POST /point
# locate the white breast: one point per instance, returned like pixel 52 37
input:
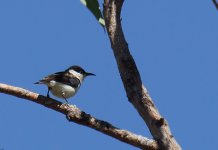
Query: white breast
pixel 58 89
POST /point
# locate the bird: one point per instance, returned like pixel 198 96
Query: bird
pixel 65 84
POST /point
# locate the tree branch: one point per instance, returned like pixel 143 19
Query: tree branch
pixel 215 3
pixel 136 92
pixel 80 117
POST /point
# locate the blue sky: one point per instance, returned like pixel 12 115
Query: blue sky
pixel 174 44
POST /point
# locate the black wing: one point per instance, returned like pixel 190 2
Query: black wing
pixel 61 77
pixel 50 77
pixel 69 79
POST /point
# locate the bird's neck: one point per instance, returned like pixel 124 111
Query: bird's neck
pixel 77 75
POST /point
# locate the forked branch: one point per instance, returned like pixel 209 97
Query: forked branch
pixel 135 90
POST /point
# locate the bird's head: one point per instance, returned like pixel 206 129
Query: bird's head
pixel 79 72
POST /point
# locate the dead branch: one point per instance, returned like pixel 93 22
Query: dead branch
pixel 74 114
pixel 135 90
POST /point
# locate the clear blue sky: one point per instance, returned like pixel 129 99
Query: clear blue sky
pixel 174 43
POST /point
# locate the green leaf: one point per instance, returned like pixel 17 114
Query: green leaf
pixel 94 7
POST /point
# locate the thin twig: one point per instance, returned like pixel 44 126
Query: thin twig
pixel 215 3
pixel 80 117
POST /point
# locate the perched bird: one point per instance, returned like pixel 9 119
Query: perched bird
pixel 65 84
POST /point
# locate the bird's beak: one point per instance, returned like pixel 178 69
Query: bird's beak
pixel 90 74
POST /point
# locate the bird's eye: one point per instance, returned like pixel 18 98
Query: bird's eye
pixel 79 71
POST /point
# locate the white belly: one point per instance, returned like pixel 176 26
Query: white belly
pixel 59 89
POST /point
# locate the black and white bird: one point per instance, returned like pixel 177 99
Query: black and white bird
pixel 65 84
